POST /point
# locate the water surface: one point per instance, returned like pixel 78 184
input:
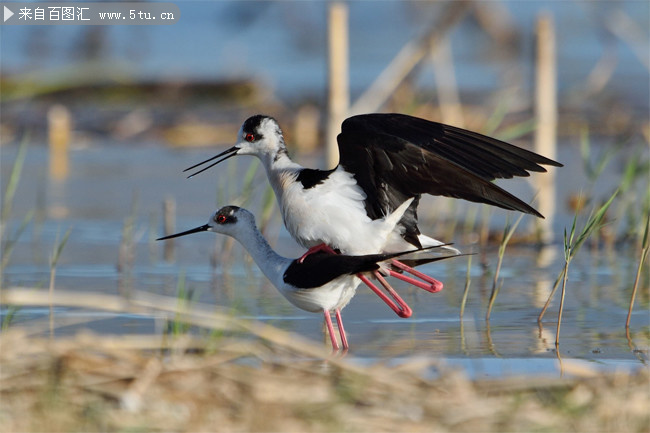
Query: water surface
pixel 109 186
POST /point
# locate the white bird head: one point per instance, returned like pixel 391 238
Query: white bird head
pixel 259 136
pixel 229 220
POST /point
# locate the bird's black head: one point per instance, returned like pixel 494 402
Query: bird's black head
pixel 261 136
pixel 225 216
pixel 228 220
pixel 254 128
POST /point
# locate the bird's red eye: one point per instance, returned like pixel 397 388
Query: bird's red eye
pixel 249 137
pixel 221 219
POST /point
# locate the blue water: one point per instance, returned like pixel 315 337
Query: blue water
pixel 95 204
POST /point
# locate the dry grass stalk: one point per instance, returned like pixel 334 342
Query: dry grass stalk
pixel 645 247
pixel 82 383
pixel 58 248
pixel 508 231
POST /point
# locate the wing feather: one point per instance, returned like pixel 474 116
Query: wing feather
pixel 394 157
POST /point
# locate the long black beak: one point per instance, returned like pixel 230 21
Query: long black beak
pixel 202 228
pixel 229 153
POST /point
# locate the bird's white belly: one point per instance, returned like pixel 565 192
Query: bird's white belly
pixel 333 213
pixel 335 294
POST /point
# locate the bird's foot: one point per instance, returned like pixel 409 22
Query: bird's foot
pixel 330 331
pixel 398 305
pixel 428 283
pixel 344 337
pixel 322 247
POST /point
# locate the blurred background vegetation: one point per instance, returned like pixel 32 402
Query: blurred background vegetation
pixel 193 82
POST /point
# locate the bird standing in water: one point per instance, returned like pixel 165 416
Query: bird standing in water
pixel 321 282
pixel 385 160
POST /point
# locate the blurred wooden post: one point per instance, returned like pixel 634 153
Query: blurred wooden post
pixel 339 96
pixel 305 126
pixel 59 124
pixel 546 132
pixel 451 110
pixel 169 222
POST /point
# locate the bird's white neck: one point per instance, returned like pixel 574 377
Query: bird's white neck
pixel 278 160
pixel 271 263
pixel 281 171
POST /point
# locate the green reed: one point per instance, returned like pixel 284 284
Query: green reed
pixel 184 297
pixel 54 260
pixel 636 169
pixel 7 204
pixel 572 245
pixel 645 247
pixel 12 184
pixel 508 231
pixel 468 281
pixel 9 315
pixel 9 244
pixel 593 169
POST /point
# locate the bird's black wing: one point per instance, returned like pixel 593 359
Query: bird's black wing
pixel 423 261
pixel 320 268
pixel 394 157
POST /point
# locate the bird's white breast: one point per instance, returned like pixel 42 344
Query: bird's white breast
pixel 335 294
pixel 332 212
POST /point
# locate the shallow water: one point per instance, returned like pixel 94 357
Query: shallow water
pixel 107 181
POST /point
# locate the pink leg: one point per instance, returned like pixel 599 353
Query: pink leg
pixel 401 308
pixel 317 248
pixel 330 329
pixel 339 322
pixel 433 286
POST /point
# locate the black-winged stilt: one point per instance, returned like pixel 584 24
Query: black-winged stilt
pixel 322 282
pixel 385 159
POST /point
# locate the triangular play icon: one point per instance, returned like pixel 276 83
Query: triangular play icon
pixel 8 14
